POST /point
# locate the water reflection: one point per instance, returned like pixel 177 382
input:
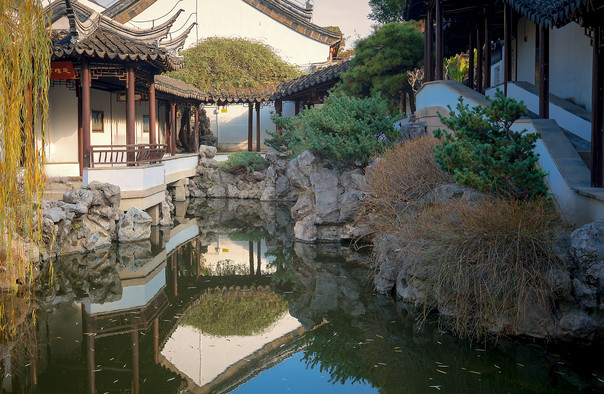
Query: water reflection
pixel 227 300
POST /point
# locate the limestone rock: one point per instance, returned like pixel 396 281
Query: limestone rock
pixel 206 151
pixel 81 196
pixel 134 225
pixel 325 186
pixel 576 325
pixel 111 194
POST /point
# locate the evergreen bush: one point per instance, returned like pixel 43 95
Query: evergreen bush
pixel 346 130
pixel 484 153
pixel 241 162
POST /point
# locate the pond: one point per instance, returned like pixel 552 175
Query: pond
pixel 226 301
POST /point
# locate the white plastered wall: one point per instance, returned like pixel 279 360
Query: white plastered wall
pixel 569 60
pixel 235 18
pixel 62 134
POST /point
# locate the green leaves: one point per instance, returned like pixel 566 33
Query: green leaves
pixel 242 162
pixel 484 153
pixel 228 63
pixel 382 60
pixel 346 130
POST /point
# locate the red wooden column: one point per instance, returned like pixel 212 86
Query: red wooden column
pixel 257 127
pixel 597 110
pixel 507 46
pixel 90 359
pixel 152 114
pixel 251 256
pixel 86 113
pixel 279 111
pixel 440 46
pixel 156 340
pixel 250 128
pixel 173 129
pixel 168 133
pixel 429 46
pixel 130 111
pixel 196 129
pixel 543 72
pixel 487 50
pixel 80 127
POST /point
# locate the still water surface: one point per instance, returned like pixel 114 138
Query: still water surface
pixel 226 301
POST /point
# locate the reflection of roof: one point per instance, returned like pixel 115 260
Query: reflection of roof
pixel 330 75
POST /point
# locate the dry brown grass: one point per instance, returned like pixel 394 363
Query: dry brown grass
pixel 485 263
pixel 402 175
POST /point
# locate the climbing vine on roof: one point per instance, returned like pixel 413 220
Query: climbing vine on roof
pixel 229 63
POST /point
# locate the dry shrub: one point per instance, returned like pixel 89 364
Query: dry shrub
pixel 403 174
pixel 485 264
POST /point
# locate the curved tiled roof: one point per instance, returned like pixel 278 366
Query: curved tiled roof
pixel 111 46
pixel 548 13
pixel 179 88
pixel 299 84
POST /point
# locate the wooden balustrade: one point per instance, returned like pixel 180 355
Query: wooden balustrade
pixel 129 155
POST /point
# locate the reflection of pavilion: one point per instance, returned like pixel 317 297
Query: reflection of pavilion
pixel 219 364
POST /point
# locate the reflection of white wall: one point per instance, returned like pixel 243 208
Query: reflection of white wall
pixel 132 296
pixel 203 357
pixel 238 252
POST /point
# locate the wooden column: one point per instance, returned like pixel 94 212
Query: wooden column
pixel 152 115
pixel 250 128
pixel 258 258
pixel 175 272
pixel 507 46
pixel 130 111
pixel 440 46
pixel 479 63
pixel 429 67
pixel 487 50
pixel 86 113
pixel 257 127
pixel 196 128
pixel 296 107
pixel 172 129
pixel 198 256
pixel 90 359
pixel 279 111
pixel 597 110
pixel 543 72
pixel 80 127
pixel 471 58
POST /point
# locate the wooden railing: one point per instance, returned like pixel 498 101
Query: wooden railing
pixel 129 155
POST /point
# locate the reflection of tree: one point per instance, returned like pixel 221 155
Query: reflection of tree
pixel 228 313
pixel 247 234
pixel 284 275
pixel 226 267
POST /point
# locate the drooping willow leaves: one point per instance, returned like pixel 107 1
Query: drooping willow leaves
pixel 24 79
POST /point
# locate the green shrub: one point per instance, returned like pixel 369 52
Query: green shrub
pixel 346 130
pixel 485 154
pixel 241 162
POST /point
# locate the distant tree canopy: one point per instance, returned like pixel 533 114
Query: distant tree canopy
pixel 386 11
pixel 228 63
pixel 382 60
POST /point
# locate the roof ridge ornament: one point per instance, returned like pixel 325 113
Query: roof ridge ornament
pixel 73 29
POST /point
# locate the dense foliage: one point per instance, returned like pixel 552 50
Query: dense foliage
pixel 241 162
pixel 228 63
pixel 483 152
pixel 386 11
pixel 382 60
pixel 346 130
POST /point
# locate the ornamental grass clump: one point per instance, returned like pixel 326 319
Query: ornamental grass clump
pixel 399 178
pixel 348 131
pixel 243 162
pixel 483 152
pixel 487 264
